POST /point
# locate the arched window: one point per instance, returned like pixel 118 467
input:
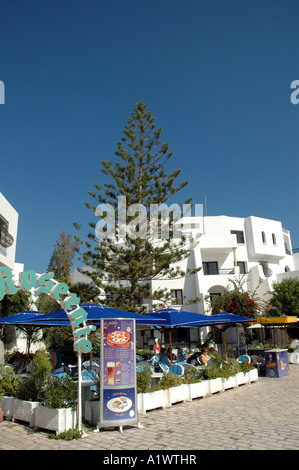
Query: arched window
pixel 264 237
pixel 286 269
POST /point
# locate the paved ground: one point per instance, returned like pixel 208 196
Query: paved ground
pixel 258 416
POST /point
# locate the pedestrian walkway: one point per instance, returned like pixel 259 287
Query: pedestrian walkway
pixel 260 416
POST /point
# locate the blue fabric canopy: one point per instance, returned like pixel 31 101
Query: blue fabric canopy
pixel 175 318
pixel 224 317
pixel 95 313
pixel 20 317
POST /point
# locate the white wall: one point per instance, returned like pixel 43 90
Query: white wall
pixel 7 255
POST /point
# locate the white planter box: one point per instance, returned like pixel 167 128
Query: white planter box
pixel 177 394
pixel 151 401
pixel 197 390
pixel 92 411
pixel 214 385
pixel 229 382
pixel 253 375
pixel 7 405
pixel 55 419
pixel 293 358
pixel 242 378
pixel 25 410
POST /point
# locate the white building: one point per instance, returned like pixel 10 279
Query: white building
pixel 8 240
pixel 8 233
pixel 255 249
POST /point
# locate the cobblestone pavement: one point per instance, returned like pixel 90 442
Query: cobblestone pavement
pixel 260 416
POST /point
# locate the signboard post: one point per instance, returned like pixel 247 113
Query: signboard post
pixel 118 394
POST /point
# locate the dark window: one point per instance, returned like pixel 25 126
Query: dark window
pixel 264 237
pixel 177 296
pixel 239 234
pixel 274 238
pixel 242 267
pixel 210 268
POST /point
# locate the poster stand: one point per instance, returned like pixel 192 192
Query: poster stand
pixel 118 390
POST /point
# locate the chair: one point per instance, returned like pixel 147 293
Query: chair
pixel 59 375
pixel 244 358
pixel 88 375
pixel 163 367
pixel 94 366
pixel 177 369
pixel 143 367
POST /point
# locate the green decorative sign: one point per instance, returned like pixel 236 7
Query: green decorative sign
pixel 59 291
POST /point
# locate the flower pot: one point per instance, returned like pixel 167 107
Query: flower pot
pixel 55 419
pixel 177 394
pixel 25 410
pixel 242 378
pixel 229 382
pixel 197 390
pixel 253 375
pixel 92 411
pixel 151 401
pixel 6 405
pixel 214 386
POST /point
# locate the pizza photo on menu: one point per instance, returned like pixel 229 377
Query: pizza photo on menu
pixel 119 338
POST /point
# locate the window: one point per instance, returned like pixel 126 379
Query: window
pixel 239 234
pixel 242 266
pixel 264 237
pixel 6 240
pixel 274 238
pixel 177 296
pixel 266 270
pixel 210 268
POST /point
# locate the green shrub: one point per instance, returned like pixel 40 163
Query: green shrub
pixel 33 387
pixel 169 380
pixel 61 393
pixel 144 380
pixel 67 435
pixel 191 376
pixel 9 382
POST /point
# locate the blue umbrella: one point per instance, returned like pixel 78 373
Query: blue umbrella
pixel 173 318
pixel 20 317
pixel 95 313
pixel 226 318
pixel 180 318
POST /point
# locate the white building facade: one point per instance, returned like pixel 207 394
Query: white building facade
pixel 257 250
pixel 8 233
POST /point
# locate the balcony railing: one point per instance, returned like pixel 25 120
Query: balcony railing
pixel 219 272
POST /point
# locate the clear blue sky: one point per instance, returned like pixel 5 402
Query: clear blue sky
pixel 216 76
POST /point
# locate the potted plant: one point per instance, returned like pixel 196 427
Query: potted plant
pixel 31 389
pixel 175 388
pixel 58 411
pixel 9 382
pixel 212 375
pixel 197 387
pixel 148 398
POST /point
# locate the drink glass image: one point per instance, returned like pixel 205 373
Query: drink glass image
pixel 110 371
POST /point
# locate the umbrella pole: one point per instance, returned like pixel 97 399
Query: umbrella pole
pixel 90 354
pixel 79 407
pixel 170 345
pixel 28 349
pixel 224 342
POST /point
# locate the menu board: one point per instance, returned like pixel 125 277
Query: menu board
pixel 118 371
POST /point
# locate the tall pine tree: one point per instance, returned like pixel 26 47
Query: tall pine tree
pixel 124 263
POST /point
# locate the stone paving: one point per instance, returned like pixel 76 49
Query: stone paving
pixel 260 416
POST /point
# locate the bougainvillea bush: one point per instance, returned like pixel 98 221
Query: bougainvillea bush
pixel 237 301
